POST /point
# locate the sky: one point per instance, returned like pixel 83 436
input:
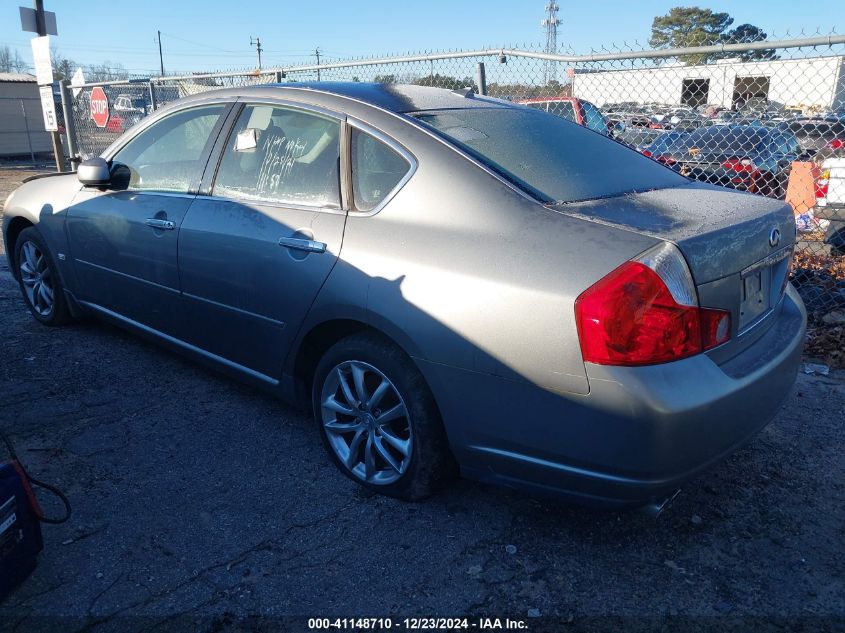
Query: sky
pixel 215 34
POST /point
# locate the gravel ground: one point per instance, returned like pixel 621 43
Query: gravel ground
pixel 198 502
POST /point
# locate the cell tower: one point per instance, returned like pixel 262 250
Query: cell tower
pixel 550 23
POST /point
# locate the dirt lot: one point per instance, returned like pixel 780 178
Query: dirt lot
pixel 198 502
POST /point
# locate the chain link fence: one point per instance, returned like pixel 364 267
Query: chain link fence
pixel 763 117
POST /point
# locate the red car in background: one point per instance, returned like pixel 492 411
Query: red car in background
pixel 573 109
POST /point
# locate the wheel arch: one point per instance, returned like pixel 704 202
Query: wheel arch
pixel 12 230
pixel 320 336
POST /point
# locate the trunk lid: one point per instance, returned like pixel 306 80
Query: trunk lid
pixel 738 245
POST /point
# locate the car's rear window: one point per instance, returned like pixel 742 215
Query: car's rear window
pixel 722 139
pixel 552 159
pixel 815 128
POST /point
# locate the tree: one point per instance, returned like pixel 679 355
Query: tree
pixel 746 33
pixel 63 67
pixel 385 79
pixel 107 71
pixel 689 26
pixel 11 61
pixel 445 81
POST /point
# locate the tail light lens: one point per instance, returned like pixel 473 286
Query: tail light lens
pixel 836 143
pixel 646 312
pixel 740 165
pixel 665 159
pixel 647 153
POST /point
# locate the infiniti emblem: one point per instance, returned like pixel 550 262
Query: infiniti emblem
pixel 774 238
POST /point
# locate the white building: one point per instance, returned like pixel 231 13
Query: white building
pixel 813 84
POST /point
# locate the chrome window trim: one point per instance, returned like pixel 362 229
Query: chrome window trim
pixel 245 102
pixel 395 146
pixel 276 204
pixel 141 192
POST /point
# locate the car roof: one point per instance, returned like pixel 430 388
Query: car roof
pixel 399 98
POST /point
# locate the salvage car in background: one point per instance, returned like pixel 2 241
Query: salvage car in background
pixel 578 111
pixel 816 134
pixel 441 278
pixel 747 157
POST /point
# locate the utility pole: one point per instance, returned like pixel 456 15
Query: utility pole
pixel 317 53
pixel 160 56
pixel 41 26
pixel 257 43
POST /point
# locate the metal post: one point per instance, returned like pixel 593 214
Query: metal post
pixel 153 103
pixel 481 79
pixel 278 76
pixel 26 125
pixel 70 123
pixel 41 26
pixel 160 56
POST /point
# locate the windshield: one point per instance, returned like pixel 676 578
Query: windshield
pixel 547 156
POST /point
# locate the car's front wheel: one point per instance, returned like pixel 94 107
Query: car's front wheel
pixel 39 281
pixel 378 418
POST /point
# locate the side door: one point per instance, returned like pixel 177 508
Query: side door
pixel 123 239
pixel 255 250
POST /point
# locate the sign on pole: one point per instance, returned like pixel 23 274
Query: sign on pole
pixel 29 21
pixel 77 80
pixel 99 107
pixel 48 107
pixel 41 56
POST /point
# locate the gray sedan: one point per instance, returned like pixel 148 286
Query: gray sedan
pixel 450 282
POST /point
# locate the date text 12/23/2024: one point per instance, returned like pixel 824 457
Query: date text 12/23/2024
pixel 418 624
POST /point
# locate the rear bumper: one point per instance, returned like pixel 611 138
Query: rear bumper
pixel 640 432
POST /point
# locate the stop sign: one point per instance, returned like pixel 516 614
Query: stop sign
pixel 99 107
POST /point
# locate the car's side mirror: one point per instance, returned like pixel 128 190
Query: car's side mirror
pixel 94 172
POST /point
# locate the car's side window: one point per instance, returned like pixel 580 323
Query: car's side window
pixel 376 170
pixel 563 109
pixel 166 156
pixel 538 105
pixel 277 154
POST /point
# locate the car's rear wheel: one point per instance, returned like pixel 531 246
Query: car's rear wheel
pixel 378 419
pixel 39 281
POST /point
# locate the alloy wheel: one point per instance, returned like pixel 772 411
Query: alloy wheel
pixel 366 422
pixel 37 279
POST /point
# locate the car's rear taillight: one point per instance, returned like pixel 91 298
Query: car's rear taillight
pixel 666 159
pixel 647 152
pixel 646 312
pixel 836 143
pixel 741 165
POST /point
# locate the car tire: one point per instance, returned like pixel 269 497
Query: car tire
pixel 378 418
pixel 39 279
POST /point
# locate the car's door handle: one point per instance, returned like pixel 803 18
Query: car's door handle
pixel 158 223
pixel 302 244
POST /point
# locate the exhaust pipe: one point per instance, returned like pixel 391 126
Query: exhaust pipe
pixel 655 508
